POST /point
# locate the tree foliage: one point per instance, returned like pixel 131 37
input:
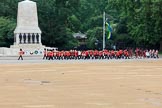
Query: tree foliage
pixel 6 27
pixel 135 22
pixel 142 20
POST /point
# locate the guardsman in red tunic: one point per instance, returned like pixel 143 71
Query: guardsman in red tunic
pixel 112 54
pixel 137 52
pixel 62 55
pixel 117 54
pixel 59 55
pixel 156 54
pixel 48 54
pixel 65 55
pixel 104 53
pixel 91 53
pixel 54 54
pixel 51 55
pixel 126 54
pixel 86 54
pixel 83 55
pixel 100 54
pixel 71 54
pixel 95 54
pixel 120 53
pixel 76 54
pixel 21 53
pixel 130 51
pixel 108 54
pixel 68 55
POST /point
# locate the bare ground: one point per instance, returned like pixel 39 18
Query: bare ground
pixel 126 84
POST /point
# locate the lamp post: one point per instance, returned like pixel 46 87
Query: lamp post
pixel 103 31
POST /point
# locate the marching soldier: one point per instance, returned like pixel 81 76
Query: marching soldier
pixel 21 53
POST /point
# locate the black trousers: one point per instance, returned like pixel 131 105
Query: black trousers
pixel 44 57
pixel 20 57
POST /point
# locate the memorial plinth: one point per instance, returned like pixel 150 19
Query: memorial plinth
pixel 27 33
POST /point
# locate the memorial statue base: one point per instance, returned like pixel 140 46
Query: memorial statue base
pixel 29 49
pixel 28 46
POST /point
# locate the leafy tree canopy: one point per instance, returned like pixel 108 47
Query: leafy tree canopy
pixel 136 23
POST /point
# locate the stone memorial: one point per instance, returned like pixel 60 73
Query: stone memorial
pixel 27 33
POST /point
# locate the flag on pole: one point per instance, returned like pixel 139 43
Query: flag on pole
pixel 108 30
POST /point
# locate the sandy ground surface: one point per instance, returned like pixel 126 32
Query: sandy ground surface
pixel 81 84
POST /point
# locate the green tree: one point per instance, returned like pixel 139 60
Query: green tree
pixel 142 20
pixel 137 22
pixel 56 18
pixel 6 31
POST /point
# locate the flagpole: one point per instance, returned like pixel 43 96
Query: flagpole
pixel 103 30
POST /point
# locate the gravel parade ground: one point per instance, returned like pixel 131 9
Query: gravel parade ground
pixel 37 83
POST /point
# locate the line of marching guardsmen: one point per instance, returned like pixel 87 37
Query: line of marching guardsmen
pixel 97 54
pixel 87 54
